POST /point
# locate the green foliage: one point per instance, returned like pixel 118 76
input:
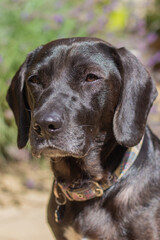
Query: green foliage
pixel 153 18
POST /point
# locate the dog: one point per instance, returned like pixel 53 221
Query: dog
pixel 84 104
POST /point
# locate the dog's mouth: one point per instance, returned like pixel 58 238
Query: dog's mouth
pixel 68 145
pixel 54 152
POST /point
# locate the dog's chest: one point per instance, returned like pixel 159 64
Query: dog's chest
pixel 92 222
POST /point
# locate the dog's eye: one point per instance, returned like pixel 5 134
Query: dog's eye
pixel 34 79
pixel 91 77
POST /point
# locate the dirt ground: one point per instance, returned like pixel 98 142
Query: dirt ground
pixel 25 223
pixel 24 192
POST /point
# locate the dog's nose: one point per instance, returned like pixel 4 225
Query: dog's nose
pixel 48 124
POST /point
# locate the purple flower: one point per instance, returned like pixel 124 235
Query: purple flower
pixel 154 59
pixel 58 4
pixel 90 16
pixel 92 30
pixel 114 4
pixel 106 8
pixel 141 27
pixel 58 18
pixel 154 109
pixel 76 12
pixel 88 3
pixel 46 28
pixel 25 16
pixel 1 59
pixel 30 184
pixel 147 3
pixel 110 7
pixel 102 21
pixel 152 37
pixel 142 46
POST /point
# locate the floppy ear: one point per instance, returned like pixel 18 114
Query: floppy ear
pixel 137 96
pixel 15 99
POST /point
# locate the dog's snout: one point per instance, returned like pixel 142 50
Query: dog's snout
pixel 48 124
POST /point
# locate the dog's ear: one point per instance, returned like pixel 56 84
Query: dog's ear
pixel 137 95
pixel 16 99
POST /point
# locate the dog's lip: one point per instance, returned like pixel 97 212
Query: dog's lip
pixel 54 152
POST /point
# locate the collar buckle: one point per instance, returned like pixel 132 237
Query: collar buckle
pixel 87 191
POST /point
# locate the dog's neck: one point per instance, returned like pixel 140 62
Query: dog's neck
pixel 103 158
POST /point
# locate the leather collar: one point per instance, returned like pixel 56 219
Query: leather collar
pixel 91 189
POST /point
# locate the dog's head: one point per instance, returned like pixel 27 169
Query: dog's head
pixel 69 91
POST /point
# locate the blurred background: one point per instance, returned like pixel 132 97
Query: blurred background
pixel 24 25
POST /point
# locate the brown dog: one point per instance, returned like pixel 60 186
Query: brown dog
pixel 84 104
